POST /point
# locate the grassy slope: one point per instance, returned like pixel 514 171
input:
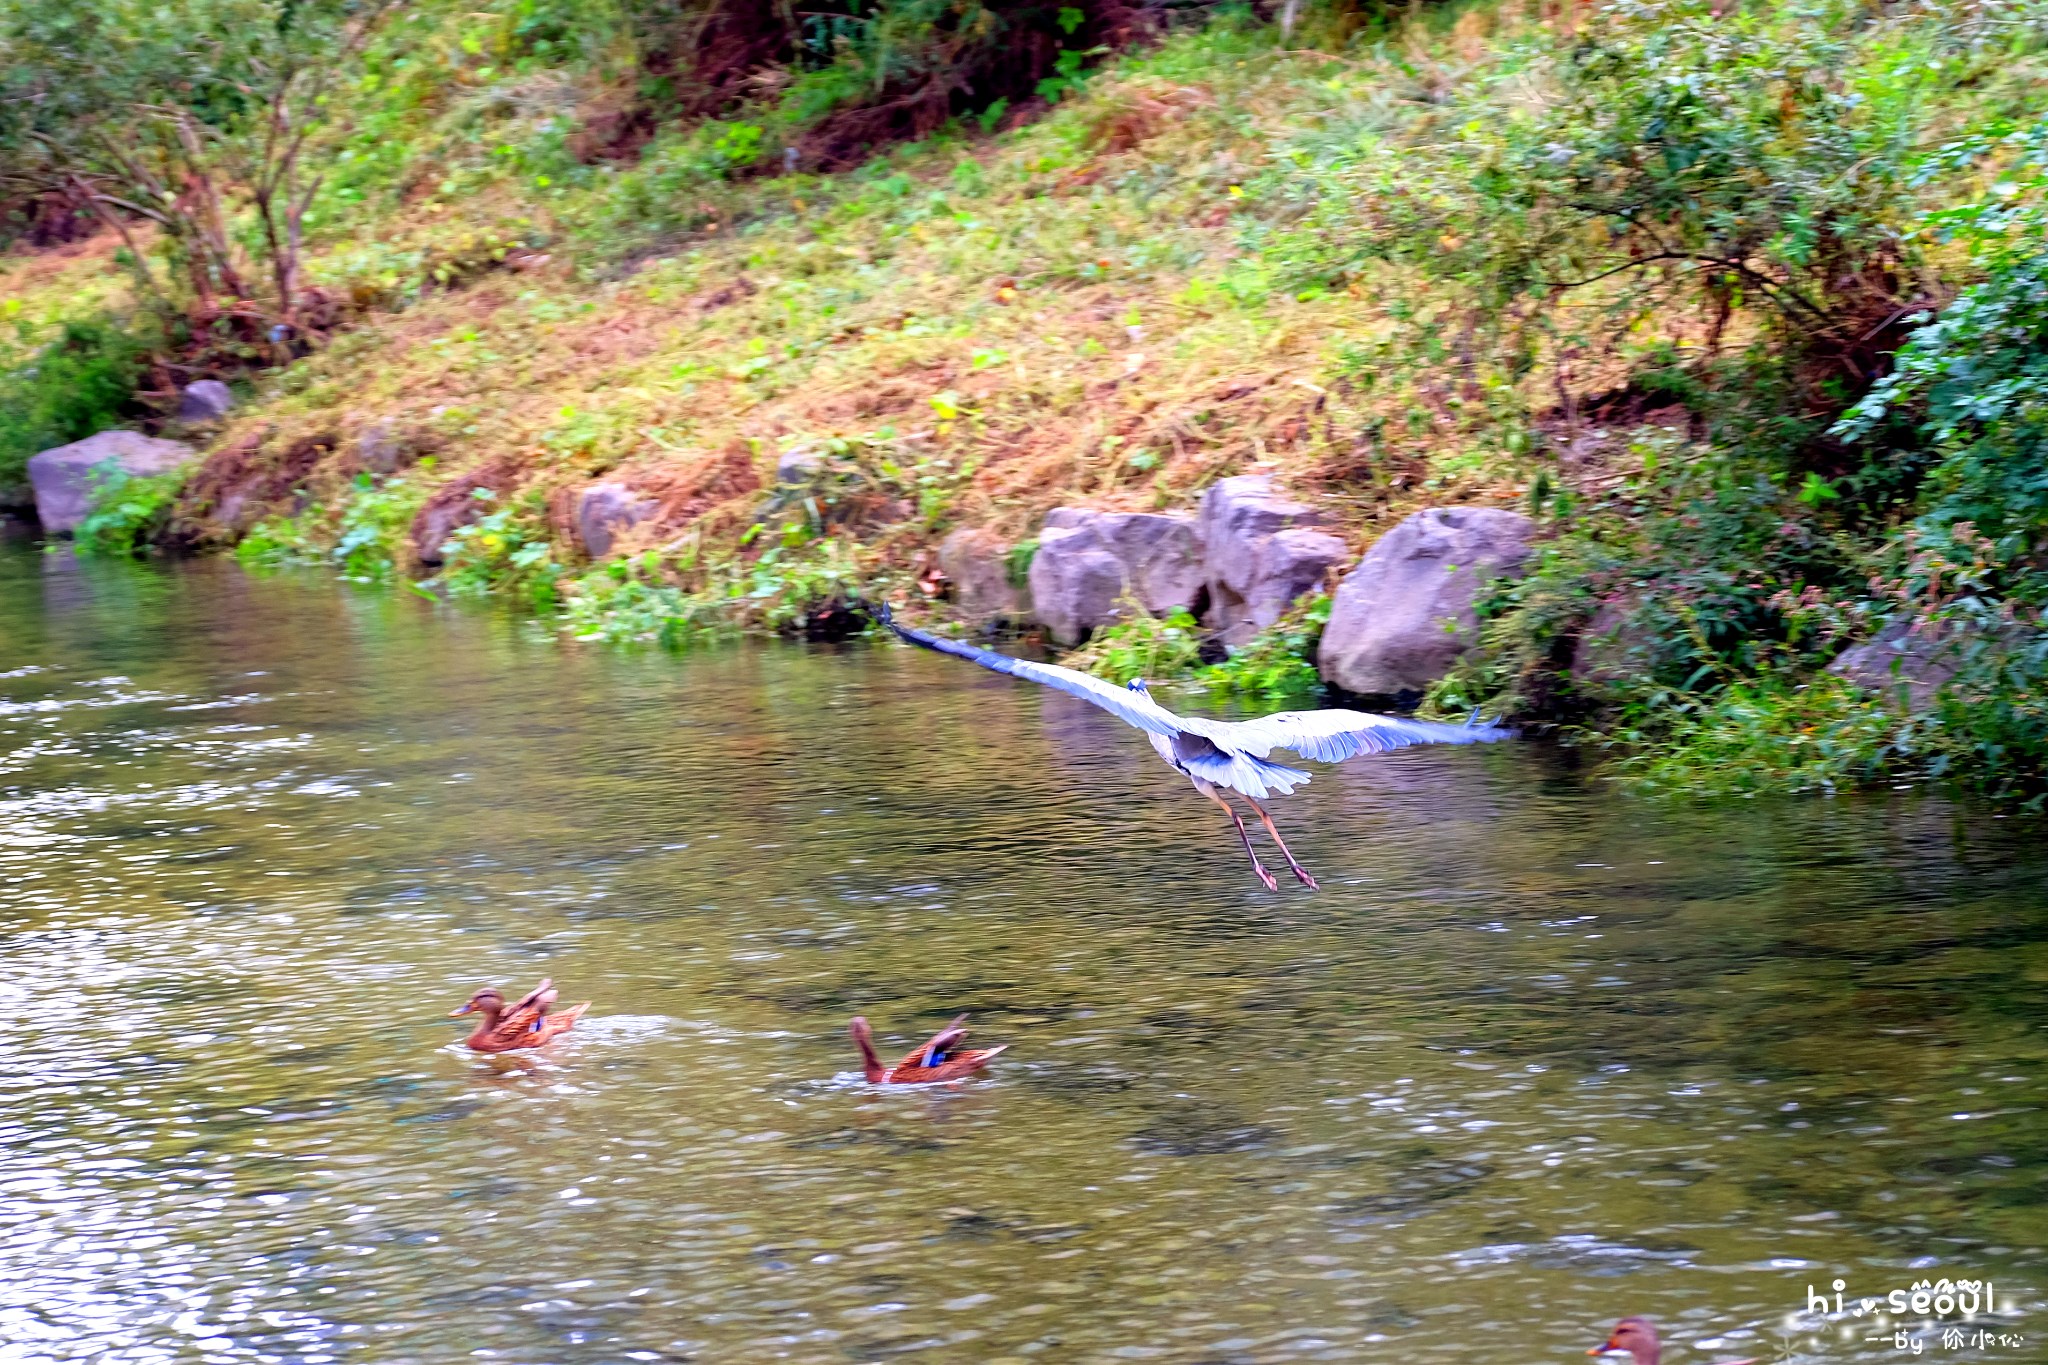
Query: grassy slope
pixel 1111 305
pixel 990 327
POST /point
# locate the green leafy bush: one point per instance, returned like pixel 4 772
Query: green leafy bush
pixel 1142 646
pixel 506 550
pixel 127 511
pixel 625 603
pixel 80 383
pixel 278 541
pixel 1279 664
pixel 1773 733
pixel 374 523
pixel 1675 157
pixel 1974 379
pixel 1972 382
pixel 788 582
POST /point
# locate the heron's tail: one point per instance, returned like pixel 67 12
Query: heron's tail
pixel 1255 777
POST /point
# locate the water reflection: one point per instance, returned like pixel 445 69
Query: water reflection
pixel 1536 1057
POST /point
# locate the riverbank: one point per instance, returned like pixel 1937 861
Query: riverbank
pixel 1419 267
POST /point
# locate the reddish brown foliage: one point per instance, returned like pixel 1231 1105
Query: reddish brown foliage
pixel 244 481
pixel 708 59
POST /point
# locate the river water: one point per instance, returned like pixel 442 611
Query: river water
pixel 1537 1056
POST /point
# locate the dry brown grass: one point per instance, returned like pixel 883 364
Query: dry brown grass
pixel 1053 332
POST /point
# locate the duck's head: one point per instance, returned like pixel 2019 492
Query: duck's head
pixel 1634 1335
pixel 1138 685
pixel 487 1001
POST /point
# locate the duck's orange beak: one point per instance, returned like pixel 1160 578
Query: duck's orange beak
pixel 1603 1348
pixel 466 1009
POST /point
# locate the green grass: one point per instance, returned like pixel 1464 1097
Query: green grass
pixel 127 512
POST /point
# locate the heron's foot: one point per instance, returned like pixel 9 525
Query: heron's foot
pixel 1301 875
pixel 1266 877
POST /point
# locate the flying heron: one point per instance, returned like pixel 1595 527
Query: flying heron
pixel 1227 755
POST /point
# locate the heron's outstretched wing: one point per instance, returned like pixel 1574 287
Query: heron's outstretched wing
pixel 1333 736
pixel 1330 736
pixel 1133 708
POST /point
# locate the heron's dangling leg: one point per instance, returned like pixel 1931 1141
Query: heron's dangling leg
pixel 1300 872
pixel 1209 790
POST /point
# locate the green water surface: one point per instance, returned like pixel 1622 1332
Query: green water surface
pixel 1537 1056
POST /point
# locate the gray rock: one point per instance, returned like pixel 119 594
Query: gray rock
pixel 1163 555
pixel 1088 562
pixel 798 466
pixel 65 477
pixel 1287 566
pixel 206 401
pixel 1911 663
pixel 978 564
pixel 603 510
pixel 1076 585
pixel 1404 615
pixel 1259 555
pixel 383 448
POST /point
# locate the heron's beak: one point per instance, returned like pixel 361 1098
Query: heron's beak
pixel 466 1009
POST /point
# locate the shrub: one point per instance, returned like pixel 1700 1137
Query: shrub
pixel 1674 157
pixel 1972 383
pixel 1974 380
pixel 1142 646
pixel 127 511
pixel 374 523
pixel 507 550
pixel 623 603
pixel 1279 664
pixel 80 383
pixel 1777 732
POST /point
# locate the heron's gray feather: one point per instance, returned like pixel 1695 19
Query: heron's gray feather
pixel 1333 736
pixel 1230 753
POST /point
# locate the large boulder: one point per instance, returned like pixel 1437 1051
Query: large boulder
pixel 1405 614
pixel 1911 662
pixel 1076 584
pixel 978 564
pixel 604 511
pixel 64 478
pixel 1260 553
pixel 1089 562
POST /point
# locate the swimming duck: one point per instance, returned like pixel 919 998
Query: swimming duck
pixel 525 1023
pixel 939 1059
pixel 1639 1338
